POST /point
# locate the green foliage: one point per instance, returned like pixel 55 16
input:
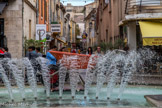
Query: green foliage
pixel 36 43
pixel 109 46
pixel 103 46
pixel 118 44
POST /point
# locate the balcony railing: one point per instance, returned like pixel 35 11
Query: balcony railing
pixel 143 6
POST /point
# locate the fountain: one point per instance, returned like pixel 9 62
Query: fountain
pixel 104 76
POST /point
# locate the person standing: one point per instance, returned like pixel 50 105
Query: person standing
pixel 32 53
pixel 38 52
pixel 73 50
pixel 6 53
pixel 98 51
pixel 90 51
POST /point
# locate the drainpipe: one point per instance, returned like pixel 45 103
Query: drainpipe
pixel 49 12
pixel 23 41
pixel 37 17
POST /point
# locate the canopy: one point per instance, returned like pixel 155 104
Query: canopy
pixel 151 33
pixel 2 6
pixel 54 36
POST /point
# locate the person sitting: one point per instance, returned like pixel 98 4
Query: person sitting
pixel 53 68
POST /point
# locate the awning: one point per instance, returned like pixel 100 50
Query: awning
pixel 60 40
pixel 151 33
pixel 2 6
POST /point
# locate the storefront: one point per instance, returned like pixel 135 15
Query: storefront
pixel 152 35
pixel 152 38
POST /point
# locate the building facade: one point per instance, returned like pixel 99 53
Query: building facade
pixel 141 16
pixel 122 19
pixel 17 24
pixel 76 22
pixel 90 12
pixel 109 14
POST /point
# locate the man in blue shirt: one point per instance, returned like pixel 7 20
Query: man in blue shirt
pixel 53 68
pixel 50 57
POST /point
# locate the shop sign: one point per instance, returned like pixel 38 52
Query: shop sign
pixel 55 28
pixel 40 31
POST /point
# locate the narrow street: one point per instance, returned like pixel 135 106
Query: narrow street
pixel 80 53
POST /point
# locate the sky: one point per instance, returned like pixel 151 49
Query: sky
pixel 77 2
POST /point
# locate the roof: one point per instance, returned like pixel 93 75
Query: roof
pixel 2 6
pixel 89 15
pixel 90 3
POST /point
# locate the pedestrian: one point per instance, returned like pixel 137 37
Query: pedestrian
pixel 63 49
pixel 73 50
pixel 98 51
pixel 78 50
pixel 6 53
pixel 38 52
pixel 53 68
pixel 1 53
pixel 32 53
pixel 126 48
pixel 90 51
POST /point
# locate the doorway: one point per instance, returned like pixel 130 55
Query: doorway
pixel 1 32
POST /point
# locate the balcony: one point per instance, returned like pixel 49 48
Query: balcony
pixel 143 6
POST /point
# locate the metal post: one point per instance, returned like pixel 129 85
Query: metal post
pixel 140 6
pixel 126 12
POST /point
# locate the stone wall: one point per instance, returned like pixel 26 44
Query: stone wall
pixel 29 14
pixel 12 15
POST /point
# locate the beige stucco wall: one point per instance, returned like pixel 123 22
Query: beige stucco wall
pixel 89 8
pixel 29 14
pixel 109 20
pixel 13 27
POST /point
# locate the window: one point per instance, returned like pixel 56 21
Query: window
pixel 1 32
pixel 29 29
pixel 148 2
pixel 106 1
pixel 45 9
pixel 106 35
pixel 1 27
pixel 69 10
pixel 41 8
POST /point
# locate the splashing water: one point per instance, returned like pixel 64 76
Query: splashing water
pixel 74 74
pixel 114 67
pixel 6 82
pixel 45 74
pixel 31 76
pixel 89 74
pixel 62 75
pixel 18 76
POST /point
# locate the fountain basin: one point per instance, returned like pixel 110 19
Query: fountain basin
pixel 133 96
pixel 155 100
